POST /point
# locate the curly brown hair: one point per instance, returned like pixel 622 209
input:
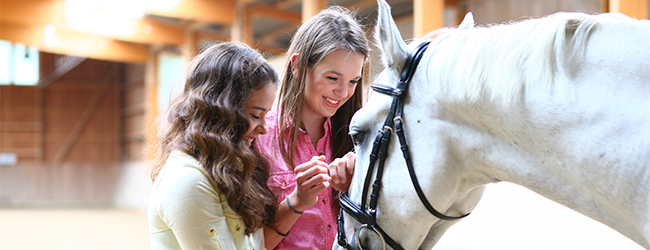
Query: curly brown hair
pixel 207 120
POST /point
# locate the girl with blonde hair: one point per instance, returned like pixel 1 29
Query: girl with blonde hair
pixel 320 91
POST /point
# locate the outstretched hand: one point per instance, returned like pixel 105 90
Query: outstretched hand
pixel 341 171
pixel 311 179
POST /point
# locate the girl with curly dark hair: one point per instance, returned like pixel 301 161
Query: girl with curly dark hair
pixel 210 182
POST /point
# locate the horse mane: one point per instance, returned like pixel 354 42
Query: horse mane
pixel 502 60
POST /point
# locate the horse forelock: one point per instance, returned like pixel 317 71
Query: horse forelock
pixel 499 61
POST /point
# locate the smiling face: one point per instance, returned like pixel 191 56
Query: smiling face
pixel 258 105
pixel 331 83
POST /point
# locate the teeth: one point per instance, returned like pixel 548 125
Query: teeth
pixel 331 101
pixel 249 140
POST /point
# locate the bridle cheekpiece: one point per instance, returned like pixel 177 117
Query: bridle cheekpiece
pixel 366 214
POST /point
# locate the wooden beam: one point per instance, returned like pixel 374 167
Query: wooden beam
pixel 213 11
pixel 287 4
pixel 39 135
pixel 452 8
pixel 150 32
pixel 634 8
pixel 362 5
pixel 119 120
pixel 60 71
pixel 428 15
pixel 88 112
pixel 241 30
pixel 32 12
pixel 272 50
pixel 51 12
pixel 275 13
pixel 452 2
pixel 273 35
pixel 311 7
pixel 604 6
pixel 246 2
pixel 151 102
pixel 74 43
pixel 196 26
pixel 190 48
pixel 290 29
pixel 202 36
pixel 247 28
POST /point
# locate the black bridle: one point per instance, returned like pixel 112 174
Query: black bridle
pixel 366 213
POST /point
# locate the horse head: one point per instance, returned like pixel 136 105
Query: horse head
pixel 558 105
pixel 442 178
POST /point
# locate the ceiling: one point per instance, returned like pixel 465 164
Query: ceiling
pixel 184 24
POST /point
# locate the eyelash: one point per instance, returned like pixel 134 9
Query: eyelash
pixel 254 116
pixel 357 137
pixel 336 79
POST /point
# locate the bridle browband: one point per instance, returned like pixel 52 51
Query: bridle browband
pixel 366 213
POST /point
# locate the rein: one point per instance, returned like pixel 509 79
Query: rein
pixel 366 213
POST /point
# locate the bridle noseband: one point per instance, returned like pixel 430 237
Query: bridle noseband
pixel 366 214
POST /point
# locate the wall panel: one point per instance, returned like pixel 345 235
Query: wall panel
pixel 499 11
pixel 37 123
pixel 134 126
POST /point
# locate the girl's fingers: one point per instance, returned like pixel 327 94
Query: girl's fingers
pixel 334 175
pixel 337 171
pixel 316 180
pixel 351 160
pixel 308 190
pixel 316 160
pixel 342 169
pixel 309 173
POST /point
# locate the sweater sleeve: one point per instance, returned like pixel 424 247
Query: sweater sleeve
pixel 192 209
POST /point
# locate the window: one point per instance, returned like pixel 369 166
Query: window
pixel 19 64
pixel 6 67
pixel 171 68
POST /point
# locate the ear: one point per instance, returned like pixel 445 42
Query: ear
pixel 390 40
pixel 468 22
pixel 294 64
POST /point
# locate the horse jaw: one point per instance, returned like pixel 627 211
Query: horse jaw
pixel 390 40
pixel 468 22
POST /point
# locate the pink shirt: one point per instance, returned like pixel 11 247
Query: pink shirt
pixel 316 228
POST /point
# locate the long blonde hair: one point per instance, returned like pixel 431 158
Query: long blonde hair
pixel 332 29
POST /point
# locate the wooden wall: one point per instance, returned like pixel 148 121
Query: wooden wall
pixel 134 112
pixel 67 136
pixel 21 125
pixel 498 11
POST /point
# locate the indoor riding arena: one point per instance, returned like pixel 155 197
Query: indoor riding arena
pixel 82 83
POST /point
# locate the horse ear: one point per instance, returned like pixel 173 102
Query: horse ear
pixel 468 22
pixel 390 40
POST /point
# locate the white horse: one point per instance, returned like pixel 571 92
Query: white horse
pixel 560 105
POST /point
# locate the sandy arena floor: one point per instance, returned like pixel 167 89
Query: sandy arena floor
pixel 73 229
pixel 509 217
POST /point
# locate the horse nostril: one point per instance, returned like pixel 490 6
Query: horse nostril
pixel 368 238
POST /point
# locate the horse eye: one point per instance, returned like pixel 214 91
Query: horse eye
pixel 356 138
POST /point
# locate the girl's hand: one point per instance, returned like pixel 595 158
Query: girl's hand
pixel 341 171
pixel 311 179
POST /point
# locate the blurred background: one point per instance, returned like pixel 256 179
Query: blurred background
pixel 82 82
